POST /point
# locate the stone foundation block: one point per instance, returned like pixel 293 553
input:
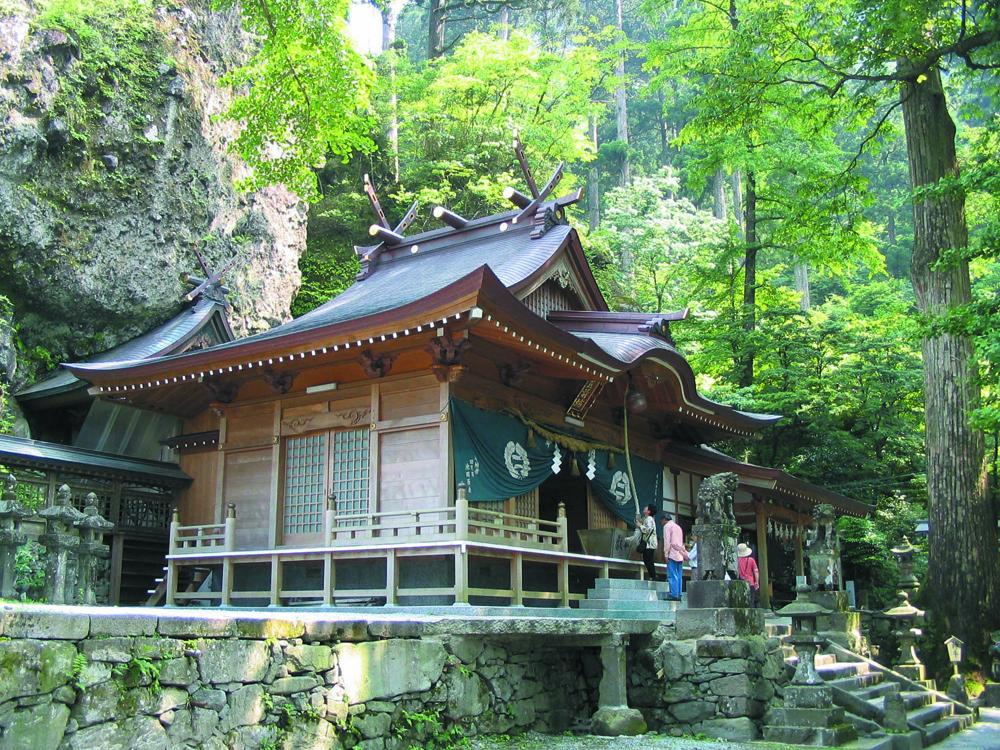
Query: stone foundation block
pixel 692 711
pixel 991 695
pixel 817 736
pixel 385 669
pixel 697 623
pixel 37 727
pixel 735 730
pixel 908 741
pixel 807 717
pixel 808 696
pixel 719 648
pixel 617 721
pixel 46 625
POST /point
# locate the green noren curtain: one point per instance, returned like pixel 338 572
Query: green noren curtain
pixel 495 460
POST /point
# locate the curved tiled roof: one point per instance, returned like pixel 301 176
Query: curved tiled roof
pixel 161 340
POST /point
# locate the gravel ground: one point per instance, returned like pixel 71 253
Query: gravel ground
pixel 585 742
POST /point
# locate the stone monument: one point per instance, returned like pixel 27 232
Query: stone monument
pixel 716 606
pixel 92 549
pixel 823 549
pixel 62 542
pixel 11 536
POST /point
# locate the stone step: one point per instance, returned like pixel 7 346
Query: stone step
pixel 944 728
pixel 823 659
pixel 876 691
pixel 927 715
pixel 863 725
pixel 870 743
pixel 638 595
pixel 852 683
pixel 842 669
pixel 626 605
pixel 664 616
pixel 913 699
pixel 629 583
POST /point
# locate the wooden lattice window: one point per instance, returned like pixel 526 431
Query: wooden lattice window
pixel 349 471
pixel 305 483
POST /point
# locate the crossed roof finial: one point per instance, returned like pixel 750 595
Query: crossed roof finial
pixel 381 230
pixel 210 285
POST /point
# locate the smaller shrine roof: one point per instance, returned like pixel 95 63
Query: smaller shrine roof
pixel 36 454
pixel 169 337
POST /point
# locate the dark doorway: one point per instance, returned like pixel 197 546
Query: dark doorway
pixel 565 488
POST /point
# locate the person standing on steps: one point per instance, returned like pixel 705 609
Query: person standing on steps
pixel 675 554
pixel 647 539
pixel 748 570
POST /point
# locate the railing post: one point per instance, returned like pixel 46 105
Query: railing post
pixel 227 562
pixel 563 526
pixel 275 581
pixel 517 580
pixel 330 519
pixel 462 514
pixel 175 522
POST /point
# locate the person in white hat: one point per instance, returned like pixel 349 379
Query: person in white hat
pixel 747 567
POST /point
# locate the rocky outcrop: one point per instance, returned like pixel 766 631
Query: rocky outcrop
pixel 114 170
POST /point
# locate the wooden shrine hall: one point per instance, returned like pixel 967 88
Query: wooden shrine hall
pixel 450 429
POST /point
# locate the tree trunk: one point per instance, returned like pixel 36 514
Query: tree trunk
pixel 621 101
pixel 505 22
pixel 963 583
pixel 435 28
pixel 719 210
pixel 738 200
pixel 802 285
pixel 389 18
pixel 593 184
pixel 749 283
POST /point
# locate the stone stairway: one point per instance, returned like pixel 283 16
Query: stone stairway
pixel 629 599
pixel 887 713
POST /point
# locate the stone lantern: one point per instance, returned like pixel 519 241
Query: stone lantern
pixel 11 536
pixel 908 620
pixel 92 549
pixel 904 556
pixel 62 543
pixel 808 716
pixel 991 696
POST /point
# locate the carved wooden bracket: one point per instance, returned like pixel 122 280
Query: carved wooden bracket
pixel 223 391
pixel 446 351
pixel 281 382
pixel 376 366
pixel 512 375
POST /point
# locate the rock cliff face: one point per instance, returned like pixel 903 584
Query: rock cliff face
pixel 113 171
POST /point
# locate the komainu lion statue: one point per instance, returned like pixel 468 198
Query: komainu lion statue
pixel 715 498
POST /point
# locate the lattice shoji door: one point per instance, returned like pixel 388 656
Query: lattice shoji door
pixel 349 472
pixel 305 484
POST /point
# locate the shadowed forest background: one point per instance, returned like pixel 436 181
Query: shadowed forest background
pixel 758 162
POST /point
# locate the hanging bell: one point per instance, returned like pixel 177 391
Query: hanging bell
pixel 574 466
pixel 531 439
pixel 611 460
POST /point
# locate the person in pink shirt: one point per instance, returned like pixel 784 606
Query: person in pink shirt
pixel 748 571
pixel 674 553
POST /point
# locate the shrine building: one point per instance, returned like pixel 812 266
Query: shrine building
pixel 451 429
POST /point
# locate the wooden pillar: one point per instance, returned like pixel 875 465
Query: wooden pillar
pixel 391 573
pixel 227 562
pixel 764 597
pixel 275 581
pixel 461 575
pixel 800 565
pixel 329 579
pixel 171 586
pixel 517 580
pixel 564 581
pixel 117 553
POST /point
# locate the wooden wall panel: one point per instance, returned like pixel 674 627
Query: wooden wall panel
pixel 196 503
pixel 250 426
pixel 409 469
pixel 417 397
pixel 247 484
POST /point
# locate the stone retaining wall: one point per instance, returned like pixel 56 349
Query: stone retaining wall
pixel 86 678
pixel 143 682
pixel 720 687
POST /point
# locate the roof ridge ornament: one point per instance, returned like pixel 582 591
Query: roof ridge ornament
pixel 386 235
pixel 210 287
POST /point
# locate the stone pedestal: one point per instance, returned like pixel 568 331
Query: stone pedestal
pixel 613 717
pixel 711 594
pixel 809 718
pixel 991 695
pixel 92 550
pixel 718 608
pixel 11 536
pixel 841 625
pixel 62 543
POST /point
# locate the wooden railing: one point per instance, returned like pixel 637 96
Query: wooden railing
pixel 457 532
